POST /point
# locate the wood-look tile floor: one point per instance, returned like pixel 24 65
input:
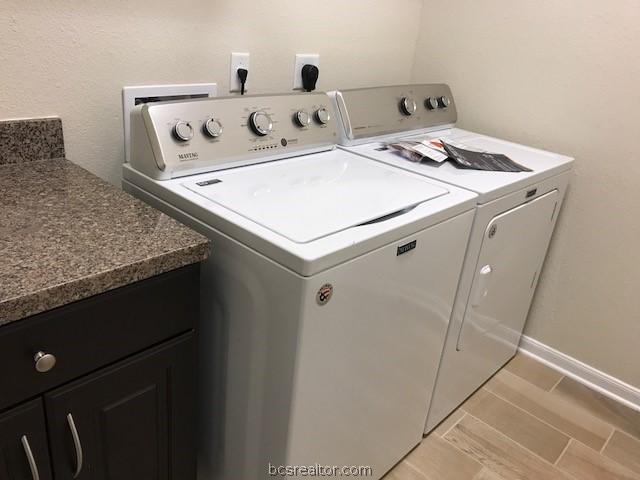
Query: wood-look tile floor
pixel 529 422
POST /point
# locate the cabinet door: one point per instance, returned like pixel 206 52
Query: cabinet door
pixel 132 421
pixel 23 444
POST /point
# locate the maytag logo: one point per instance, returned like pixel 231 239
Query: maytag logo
pixel 185 157
pixel 406 247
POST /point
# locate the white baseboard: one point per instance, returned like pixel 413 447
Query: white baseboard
pixel 593 378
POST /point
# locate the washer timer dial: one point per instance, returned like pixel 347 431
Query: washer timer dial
pixel 261 123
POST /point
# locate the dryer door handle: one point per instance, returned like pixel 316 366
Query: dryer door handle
pixel 482 285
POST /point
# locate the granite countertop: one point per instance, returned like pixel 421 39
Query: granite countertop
pixel 65 235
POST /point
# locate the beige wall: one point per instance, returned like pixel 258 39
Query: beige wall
pixel 559 75
pixel 72 58
pixel 565 76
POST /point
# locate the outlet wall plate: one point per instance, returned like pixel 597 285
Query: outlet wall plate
pixel 301 60
pixel 238 60
pixel 132 96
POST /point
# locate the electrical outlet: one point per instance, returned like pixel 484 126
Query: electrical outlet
pixel 301 60
pixel 238 60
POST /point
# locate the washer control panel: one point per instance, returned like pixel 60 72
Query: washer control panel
pixel 371 112
pixel 171 139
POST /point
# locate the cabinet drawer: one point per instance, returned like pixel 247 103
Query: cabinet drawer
pixel 91 333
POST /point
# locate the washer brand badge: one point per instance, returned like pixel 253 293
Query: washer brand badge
pixel 406 247
pixel 185 157
pixel 324 294
pixel 206 183
pixel 493 230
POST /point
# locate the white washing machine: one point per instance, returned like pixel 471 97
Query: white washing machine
pixel 327 296
pixel 514 221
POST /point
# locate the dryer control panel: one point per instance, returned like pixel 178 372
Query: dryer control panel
pixel 173 139
pixel 371 112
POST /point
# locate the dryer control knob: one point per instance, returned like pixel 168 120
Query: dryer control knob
pixel 182 131
pixel 444 101
pixel 260 123
pixel 322 116
pixel 212 128
pixel 302 118
pixel 408 106
pixel 431 103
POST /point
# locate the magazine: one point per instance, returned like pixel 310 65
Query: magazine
pixel 439 151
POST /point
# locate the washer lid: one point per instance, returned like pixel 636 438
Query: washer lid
pixel 313 196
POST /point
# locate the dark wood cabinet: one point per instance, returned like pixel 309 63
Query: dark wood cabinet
pixel 24 454
pixel 120 401
pixel 95 332
pixel 131 422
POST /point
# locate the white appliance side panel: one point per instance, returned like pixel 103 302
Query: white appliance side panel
pixel 368 358
pixel 493 327
pixel 248 338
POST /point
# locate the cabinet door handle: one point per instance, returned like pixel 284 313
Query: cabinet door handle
pixel 76 443
pixel 32 462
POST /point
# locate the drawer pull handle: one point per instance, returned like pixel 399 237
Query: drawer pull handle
pixel 32 462
pixel 76 443
pixel 44 361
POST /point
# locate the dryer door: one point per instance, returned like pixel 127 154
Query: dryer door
pixel 513 250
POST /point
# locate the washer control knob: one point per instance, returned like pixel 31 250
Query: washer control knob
pixel 323 116
pixel 183 131
pixel 212 128
pixel 408 106
pixel 261 123
pixel 302 118
pixel 444 101
pixel 431 103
